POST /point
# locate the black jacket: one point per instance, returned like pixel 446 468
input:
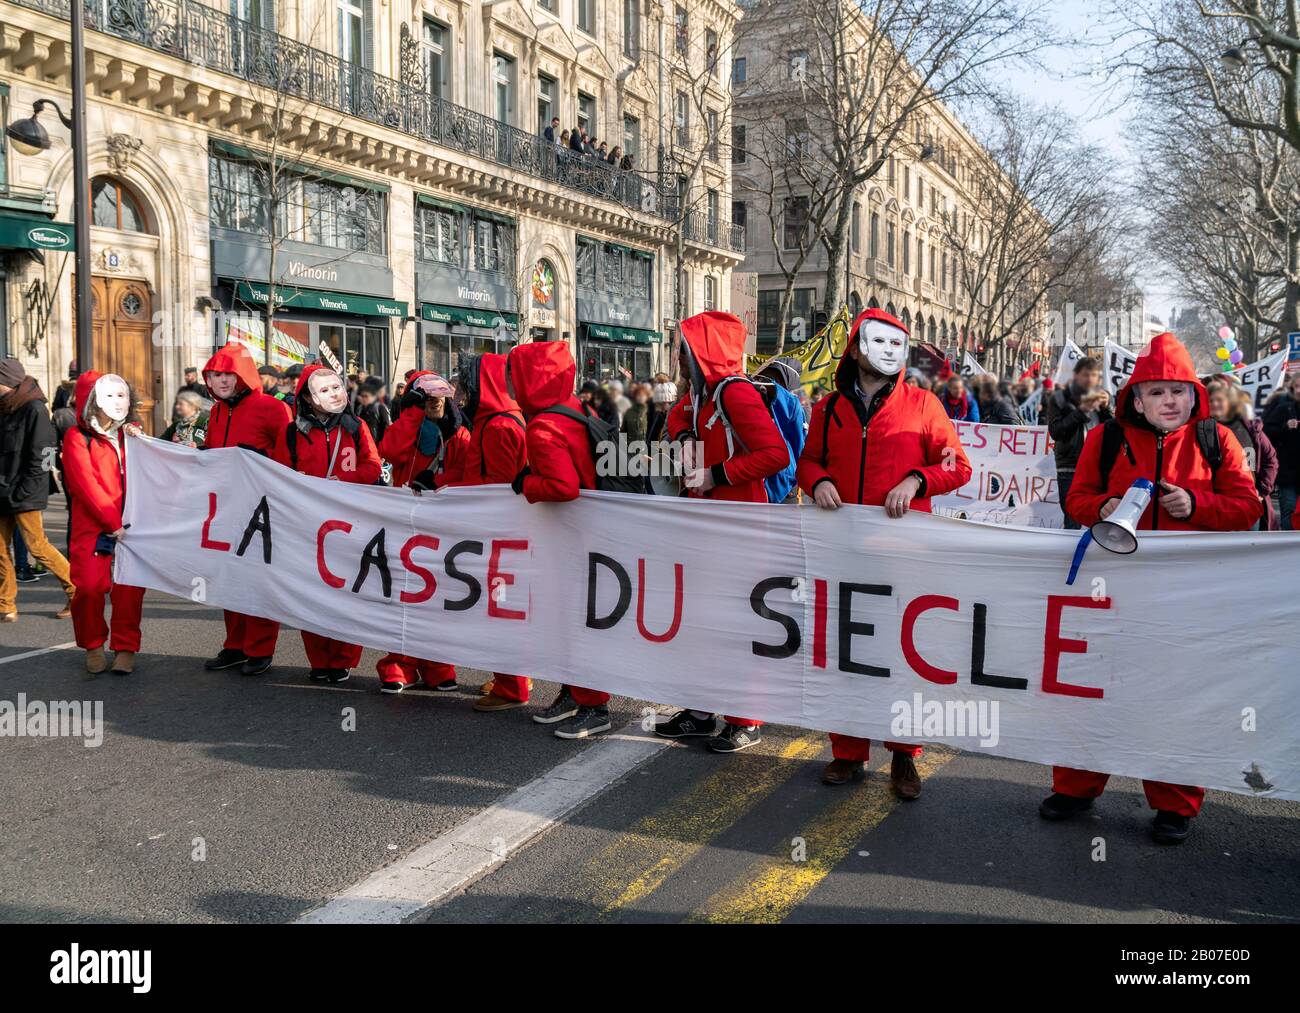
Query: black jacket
pixel 376 418
pixel 1067 424
pixel 999 412
pixel 1285 440
pixel 28 448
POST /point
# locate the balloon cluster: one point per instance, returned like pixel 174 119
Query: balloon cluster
pixel 1229 354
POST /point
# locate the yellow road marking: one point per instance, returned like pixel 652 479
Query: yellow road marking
pixel 661 843
pixel 772 887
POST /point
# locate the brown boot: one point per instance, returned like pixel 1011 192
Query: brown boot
pixel 95 660
pixel 123 662
pixel 9 617
pixel 839 772
pixel 65 612
pixel 904 778
pixel 491 703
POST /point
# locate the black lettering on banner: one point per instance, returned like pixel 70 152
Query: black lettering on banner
pixel 977 674
pixel 374 555
pixel 475 591
pixel 595 559
pixel 259 522
pixel 849 629
pixel 793 635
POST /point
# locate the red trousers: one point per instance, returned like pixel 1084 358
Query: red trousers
pixel 408 671
pixel 93 577
pixel 588 697
pixel 846 747
pixel 322 652
pixel 511 687
pixel 1183 799
pixel 254 636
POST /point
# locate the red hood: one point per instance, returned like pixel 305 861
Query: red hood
pixel 492 396
pixel 846 373
pixel 542 373
pixel 717 346
pixel 85 384
pixel 235 358
pixel 1165 358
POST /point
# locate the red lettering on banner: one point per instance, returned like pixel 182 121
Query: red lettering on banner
pixel 321 568
pixel 1054 645
pixel 920 666
pixel 661 638
pixel 819 623
pixel 430 581
pixel 497 579
pixel 206 542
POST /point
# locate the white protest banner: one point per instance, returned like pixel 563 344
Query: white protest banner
pixel 970 366
pixel 1070 354
pixel 1013 477
pixel 1261 379
pixel 923 628
pixel 1116 368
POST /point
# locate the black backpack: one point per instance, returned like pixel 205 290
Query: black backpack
pixel 600 432
pixel 1113 440
pixel 482 461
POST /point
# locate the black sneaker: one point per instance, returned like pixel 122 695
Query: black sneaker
pixel 1170 828
pixel 587 722
pixel 564 707
pixel 685 725
pixel 27 577
pixel 447 686
pixel 334 675
pixel 734 738
pixel 227 657
pixel 256 666
pixel 392 686
pixel 1061 807
pixel 318 674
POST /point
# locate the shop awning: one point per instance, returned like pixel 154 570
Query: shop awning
pixel 466 316
pixel 20 231
pixel 634 335
pixel 290 298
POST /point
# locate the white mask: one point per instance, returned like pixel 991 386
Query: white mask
pixel 112 396
pixel 327 391
pixel 884 345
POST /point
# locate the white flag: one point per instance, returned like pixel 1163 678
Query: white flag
pixel 1117 368
pixel 1070 354
pixel 970 367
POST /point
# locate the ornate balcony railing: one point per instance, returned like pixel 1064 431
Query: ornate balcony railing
pixel 284 68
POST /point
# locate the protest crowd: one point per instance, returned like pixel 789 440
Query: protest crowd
pixel 883 435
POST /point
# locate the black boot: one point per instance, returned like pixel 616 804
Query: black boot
pixel 1170 828
pixel 1062 807
pixel 227 657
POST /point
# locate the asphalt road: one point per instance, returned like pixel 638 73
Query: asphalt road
pixel 215 797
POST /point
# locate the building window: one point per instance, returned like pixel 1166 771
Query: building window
pixel 875 234
pixel 587 16
pixel 738 153
pixel 712 207
pixel 586 264
pixel 740 217
pixel 890 253
pixel 739 70
pixel 769 310
pixel 680 29
pixel 114 207
pixel 711 51
pixel 586 113
pixel 337 215
pixel 612 264
pixel 438 235
pixel 682 120
pixel 354 31
pixel 434 44
pixel 796 138
pixel 503 86
pixel 920 257
pixel 631 136
pixel 494 245
pixel 632 29
pixel 794 222
pixel 855 228
pixel 545 101
pixel 714 130
pixel 943 275
pixel 798 64
pixel 907 182
pixel 710 292
pixel 907 254
pixel 932 256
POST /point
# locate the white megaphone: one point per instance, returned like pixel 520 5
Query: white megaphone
pixel 1118 532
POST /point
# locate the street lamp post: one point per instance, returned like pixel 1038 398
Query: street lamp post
pixel 29 138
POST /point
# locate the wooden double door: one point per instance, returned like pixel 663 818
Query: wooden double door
pixel 122 335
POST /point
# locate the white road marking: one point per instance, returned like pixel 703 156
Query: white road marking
pixel 452 861
pixel 36 654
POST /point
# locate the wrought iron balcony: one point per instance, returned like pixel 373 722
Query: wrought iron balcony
pixel 283 68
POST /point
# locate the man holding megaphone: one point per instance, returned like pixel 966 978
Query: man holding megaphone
pixel 1162 433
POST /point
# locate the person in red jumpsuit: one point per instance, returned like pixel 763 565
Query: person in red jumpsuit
pixel 427 445
pixel 730 463
pixel 326 440
pixel 540 377
pixel 494 455
pixel 243 416
pixel 880 442
pixel 94 466
pixel 1158 412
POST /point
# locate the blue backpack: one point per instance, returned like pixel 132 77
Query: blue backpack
pixel 787 413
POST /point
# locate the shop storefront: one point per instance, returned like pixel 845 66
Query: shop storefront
pixel 615 312
pixel 24 235
pixel 464 282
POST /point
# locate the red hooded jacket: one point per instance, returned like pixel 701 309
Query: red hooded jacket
pixel 497 449
pixel 559 451
pixel 1222 501
pixel 400 446
pixel 347 442
pixel 251 419
pixel 717 347
pixel 866 450
pixel 95 472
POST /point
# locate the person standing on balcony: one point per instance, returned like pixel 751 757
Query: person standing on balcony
pixel 551 132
